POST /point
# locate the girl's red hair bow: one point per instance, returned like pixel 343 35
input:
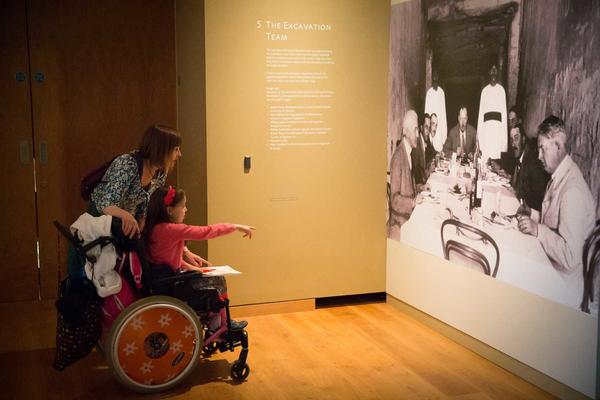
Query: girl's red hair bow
pixel 168 200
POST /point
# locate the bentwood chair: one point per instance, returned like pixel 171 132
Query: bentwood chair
pixel 465 249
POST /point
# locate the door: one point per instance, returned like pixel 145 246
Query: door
pixel 19 270
pixel 106 72
pixel 101 73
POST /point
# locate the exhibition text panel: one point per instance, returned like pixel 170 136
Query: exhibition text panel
pixel 298 90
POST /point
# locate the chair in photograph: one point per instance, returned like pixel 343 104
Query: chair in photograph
pixel 591 262
pixel 461 247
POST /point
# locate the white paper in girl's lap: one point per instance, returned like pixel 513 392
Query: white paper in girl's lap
pixel 219 271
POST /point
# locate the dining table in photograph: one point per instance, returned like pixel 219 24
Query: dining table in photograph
pixel 522 260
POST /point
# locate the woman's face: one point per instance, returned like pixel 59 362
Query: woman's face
pixel 177 212
pixel 172 158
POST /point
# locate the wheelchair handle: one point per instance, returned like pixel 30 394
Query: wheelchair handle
pixel 82 250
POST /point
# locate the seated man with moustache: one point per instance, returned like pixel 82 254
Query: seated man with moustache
pixel 568 209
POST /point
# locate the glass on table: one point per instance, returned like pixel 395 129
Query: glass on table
pixel 468 185
pixel 477 217
pixel 524 210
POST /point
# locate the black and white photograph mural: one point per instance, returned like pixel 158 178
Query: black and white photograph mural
pixel 494 140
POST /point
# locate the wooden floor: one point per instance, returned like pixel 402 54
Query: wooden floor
pixel 370 351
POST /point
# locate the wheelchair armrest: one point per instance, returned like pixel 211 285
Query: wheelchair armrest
pixel 181 277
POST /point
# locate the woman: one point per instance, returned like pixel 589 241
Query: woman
pixel 129 181
pixel 126 187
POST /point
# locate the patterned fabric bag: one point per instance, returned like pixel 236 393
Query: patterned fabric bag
pixel 78 324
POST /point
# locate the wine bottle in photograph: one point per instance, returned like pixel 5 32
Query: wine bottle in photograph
pixel 478 187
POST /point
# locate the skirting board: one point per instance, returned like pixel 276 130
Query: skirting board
pixel 279 307
pixel 523 371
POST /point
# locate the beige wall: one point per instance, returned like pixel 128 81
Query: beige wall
pixel 547 336
pixel 319 210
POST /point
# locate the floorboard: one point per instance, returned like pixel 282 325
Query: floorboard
pixel 366 351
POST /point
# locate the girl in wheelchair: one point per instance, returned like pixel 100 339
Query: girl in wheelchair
pixel 152 341
pixel 165 234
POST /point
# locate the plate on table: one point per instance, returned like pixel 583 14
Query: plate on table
pixel 457 191
pixel 429 197
pixel 499 179
pixel 502 222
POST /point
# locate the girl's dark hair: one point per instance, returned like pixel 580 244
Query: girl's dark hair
pixel 157 211
pixel 157 144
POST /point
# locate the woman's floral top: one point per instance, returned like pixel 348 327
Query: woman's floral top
pixel 121 186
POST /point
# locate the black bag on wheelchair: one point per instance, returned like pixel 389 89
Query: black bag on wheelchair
pixel 78 321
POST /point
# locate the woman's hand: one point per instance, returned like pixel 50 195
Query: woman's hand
pixel 129 224
pixel 245 229
pixel 194 259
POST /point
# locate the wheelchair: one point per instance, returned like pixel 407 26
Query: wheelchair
pixel 157 341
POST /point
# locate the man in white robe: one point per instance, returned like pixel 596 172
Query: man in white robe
pixel 492 123
pixel 435 103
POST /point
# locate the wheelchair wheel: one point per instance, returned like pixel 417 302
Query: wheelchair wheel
pixel 239 371
pixel 154 344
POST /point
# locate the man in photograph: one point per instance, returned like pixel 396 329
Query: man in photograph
pixel 568 209
pixel 492 124
pixel 528 176
pixel 461 138
pixel 435 103
pixel 513 117
pixel 434 136
pixel 419 165
pixel 402 185
pixel 429 150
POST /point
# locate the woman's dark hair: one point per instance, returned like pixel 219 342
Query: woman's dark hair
pixel 157 211
pixel 157 144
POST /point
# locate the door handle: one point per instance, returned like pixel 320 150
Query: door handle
pixel 24 155
pixel 43 152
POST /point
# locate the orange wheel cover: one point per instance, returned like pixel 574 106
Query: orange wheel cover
pixel 156 344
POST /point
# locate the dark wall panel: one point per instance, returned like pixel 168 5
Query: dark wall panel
pixel 560 75
pixel 407 63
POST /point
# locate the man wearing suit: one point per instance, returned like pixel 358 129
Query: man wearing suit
pixel 568 209
pixel 419 161
pixel 529 178
pixel 429 150
pixel 402 185
pixel 461 138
